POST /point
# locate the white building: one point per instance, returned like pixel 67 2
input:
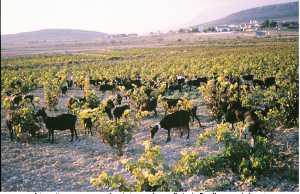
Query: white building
pixel 223 28
pixel 200 28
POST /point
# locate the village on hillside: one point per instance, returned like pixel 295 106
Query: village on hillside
pixel 261 29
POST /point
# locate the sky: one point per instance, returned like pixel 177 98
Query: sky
pixel 116 16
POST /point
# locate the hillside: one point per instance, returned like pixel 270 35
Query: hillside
pixel 53 35
pixel 286 11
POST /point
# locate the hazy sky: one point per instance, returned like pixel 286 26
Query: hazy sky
pixel 115 16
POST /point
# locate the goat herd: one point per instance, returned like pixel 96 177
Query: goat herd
pixel 232 111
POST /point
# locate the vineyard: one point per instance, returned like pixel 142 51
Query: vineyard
pixel 241 98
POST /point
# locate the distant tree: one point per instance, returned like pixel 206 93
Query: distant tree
pixel 266 24
pixel 273 24
pixel 269 24
pixel 290 25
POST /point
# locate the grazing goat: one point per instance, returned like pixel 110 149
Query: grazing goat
pixel 106 87
pixel 16 84
pixel 149 105
pixel 235 113
pixel 118 99
pixel 60 122
pixel 64 90
pixel 76 100
pixel 194 116
pixel 70 83
pixel 16 99
pixel 170 102
pixel 270 81
pixel 248 77
pixel 95 82
pixel 180 79
pixel 174 86
pixel 29 96
pixel 179 119
pixel 148 92
pixel 196 82
pixel 9 124
pixel 87 122
pixel 107 109
pixel 119 110
pixel 257 82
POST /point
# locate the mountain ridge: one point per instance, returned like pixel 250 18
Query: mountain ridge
pixel 55 35
pixel 283 11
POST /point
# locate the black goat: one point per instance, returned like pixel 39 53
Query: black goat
pixel 257 82
pixel 148 91
pixel 79 84
pixel 180 79
pixel 76 100
pixel 194 116
pixel 270 81
pixel 196 82
pixel 107 87
pixel 60 122
pixel 137 82
pixel 248 77
pixel 119 110
pixel 64 90
pixel 16 99
pixel 70 83
pixel 118 99
pixel 174 86
pixel 149 105
pixel 87 122
pixel 9 124
pixel 16 84
pixel 29 96
pixel 107 109
pixel 171 102
pixel 95 82
pixel 179 119
pixel 236 112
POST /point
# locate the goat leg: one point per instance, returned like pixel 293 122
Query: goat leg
pixel 49 135
pixel 197 118
pixel 91 131
pixel 11 134
pixel 72 135
pixel 188 129
pixel 75 133
pixel 169 135
pixel 52 132
pixel 181 132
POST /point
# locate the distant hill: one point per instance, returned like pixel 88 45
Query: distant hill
pixel 53 35
pixel 286 11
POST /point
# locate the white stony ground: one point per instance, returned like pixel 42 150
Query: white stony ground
pixel 66 166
